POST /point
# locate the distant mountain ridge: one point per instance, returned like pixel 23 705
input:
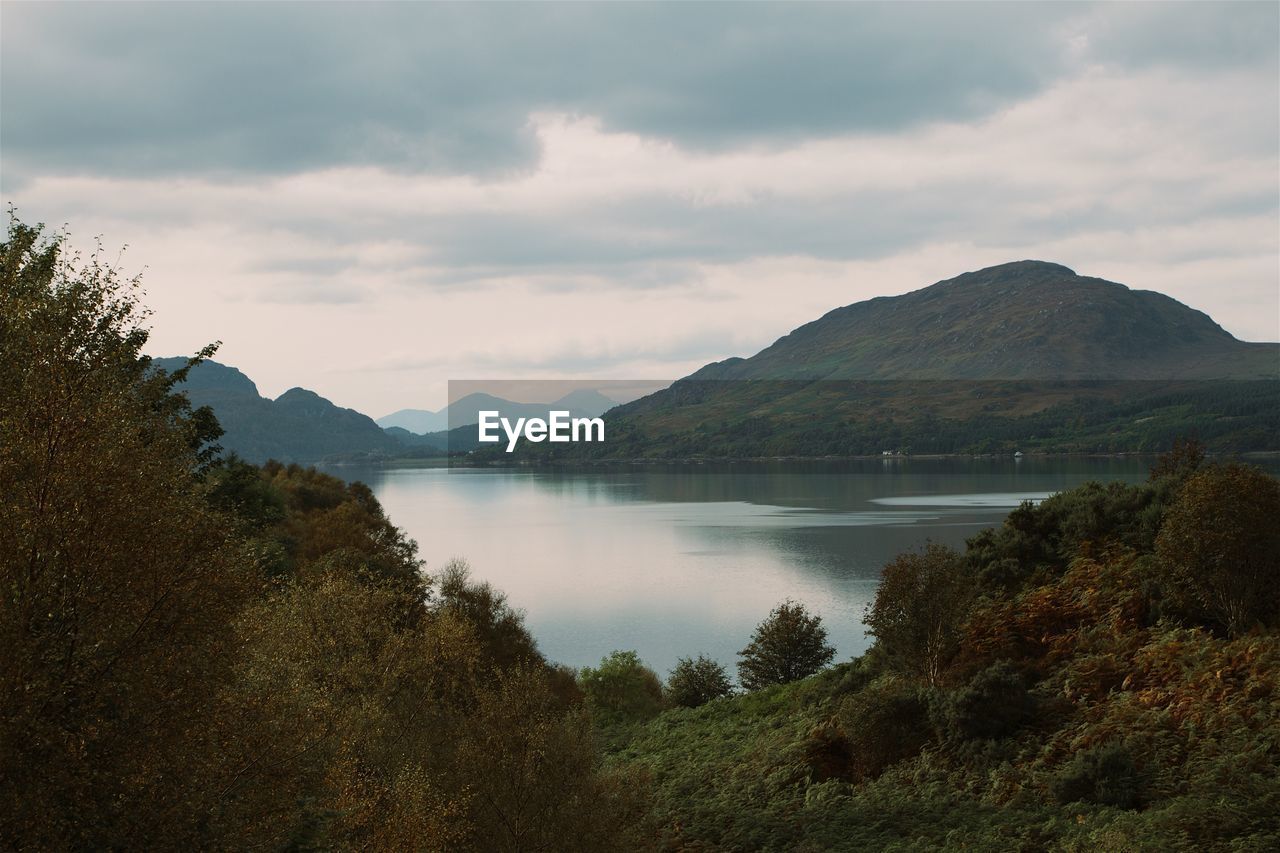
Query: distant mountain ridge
pixel 1026 354
pixel 301 426
pixel 583 402
pixel 298 426
pixel 418 421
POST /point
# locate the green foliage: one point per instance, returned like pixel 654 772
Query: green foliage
pixel 212 655
pixel 884 723
pixel 994 704
pixel 1105 775
pixel 765 419
pixel 1045 537
pixel 118 583
pixel 622 689
pixel 534 771
pixel 1072 716
pixel 1221 544
pixel 790 644
pixel 1183 459
pixel 239 489
pixel 918 610
pixel 505 641
pixel 696 682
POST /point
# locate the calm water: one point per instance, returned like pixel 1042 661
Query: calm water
pixel 680 560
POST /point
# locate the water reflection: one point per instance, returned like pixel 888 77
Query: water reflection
pixel 677 560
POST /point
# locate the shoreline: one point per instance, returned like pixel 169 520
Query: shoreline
pixel 463 462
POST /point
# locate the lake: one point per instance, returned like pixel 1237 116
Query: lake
pixel 677 560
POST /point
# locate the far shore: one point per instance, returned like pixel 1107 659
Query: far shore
pixel 466 462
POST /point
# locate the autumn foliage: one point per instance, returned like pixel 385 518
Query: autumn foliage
pixel 202 653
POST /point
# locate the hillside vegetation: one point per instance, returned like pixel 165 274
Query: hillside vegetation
pixel 297 426
pixel 1100 672
pixel 1022 356
pixel 202 653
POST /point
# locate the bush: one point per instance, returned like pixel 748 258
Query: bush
pixel 884 724
pixel 1221 545
pixel 1105 775
pixel 787 646
pixel 622 688
pixel 994 704
pixel 697 682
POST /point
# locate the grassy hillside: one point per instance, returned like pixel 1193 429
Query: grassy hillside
pixel 1092 691
pixel 698 419
pixel 1024 356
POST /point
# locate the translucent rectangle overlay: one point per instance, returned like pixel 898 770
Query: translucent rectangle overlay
pixel 728 419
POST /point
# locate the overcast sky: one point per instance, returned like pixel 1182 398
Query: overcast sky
pixel 370 200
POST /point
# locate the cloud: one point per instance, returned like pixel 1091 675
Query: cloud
pixel 222 90
pixel 601 208
pixel 215 90
pixel 427 190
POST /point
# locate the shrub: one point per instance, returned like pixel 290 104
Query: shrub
pixel 1221 544
pixel 994 704
pixel 622 688
pixel 697 682
pixel 883 724
pixel 1105 775
pixel 787 646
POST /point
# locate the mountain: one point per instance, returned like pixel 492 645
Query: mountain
pixel 298 426
pixel 418 421
pixel 462 436
pixel 585 402
pixel 1025 355
pixel 465 411
pixel 1023 320
pixel 413 439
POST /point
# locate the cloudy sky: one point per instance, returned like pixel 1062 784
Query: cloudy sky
pixel 370 200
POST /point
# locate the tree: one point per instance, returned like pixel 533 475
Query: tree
pixel 696 682
pixel 1221 544
pixel 918 610
pixel 504 639
pixel 789 645
pixel 622 688
pixel 1185 458
pixel 536 776
pixel 117 580
pixel 214 655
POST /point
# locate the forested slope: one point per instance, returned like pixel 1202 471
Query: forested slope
pixel 203 654
pixel 1100 672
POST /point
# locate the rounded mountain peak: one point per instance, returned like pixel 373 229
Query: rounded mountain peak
pixel 1015 272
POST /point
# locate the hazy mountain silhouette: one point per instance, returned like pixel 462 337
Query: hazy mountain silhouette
pixel 297 426
pixel 465 411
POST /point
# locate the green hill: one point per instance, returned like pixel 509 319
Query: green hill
pixel 298 426
pixel 1027 320
pixel 1026 355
